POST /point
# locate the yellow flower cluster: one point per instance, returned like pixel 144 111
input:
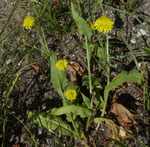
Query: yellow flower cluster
pixel 71 94
pixel 61 64
pixel 28 22
pixel 102 24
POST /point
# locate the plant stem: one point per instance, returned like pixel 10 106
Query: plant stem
pixel 89 67
pixel 108 74
pixel 104 107
pixel 71 117
pixel 89 75
pixel 108 78
pixel 64 100
pixel 10 16
pixel 107 58
pixel 88 123
pixel 130 49
pixel 101 5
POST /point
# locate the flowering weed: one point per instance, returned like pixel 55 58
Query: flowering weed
pixel 71 94
pixel 87 99
pixel 103 24
pixel 29 22
pixel 61 64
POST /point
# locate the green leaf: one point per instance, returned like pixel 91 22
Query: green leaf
pixel 83 27
pixel 73 85
pixel 76 110
pixel 45 51
pixel 95 81
pixel 55 123
pixel 58 77
pixel 98 51
pixel 100 120
pixel 132 76
pixel 99 102
pixel 86 100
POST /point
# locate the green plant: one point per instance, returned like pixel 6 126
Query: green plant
pixel 51 119
pixel 131 5
pixel 81 106
pixel 50 18
pixel 85 102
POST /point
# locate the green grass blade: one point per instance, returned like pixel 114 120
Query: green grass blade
pixel 128 46
pixel 25 128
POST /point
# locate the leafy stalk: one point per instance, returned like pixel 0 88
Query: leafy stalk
pixel 70 115
pixel 108 74
pixel 107 56
pixel 89 66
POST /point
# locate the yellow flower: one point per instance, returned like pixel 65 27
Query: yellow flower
pixel 103 24
pixel 61 64
pixel 71 94
pixel 28 22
